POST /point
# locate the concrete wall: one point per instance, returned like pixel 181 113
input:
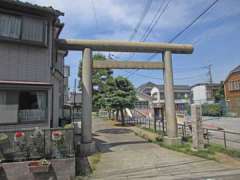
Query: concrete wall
pixel 62 169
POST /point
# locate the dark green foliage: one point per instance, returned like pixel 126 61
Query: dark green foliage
pixel 110 93
pixel 212 110
pixel 219 95
pixel 99 78
pixel 124 96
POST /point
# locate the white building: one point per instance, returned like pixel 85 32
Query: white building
pixel 181 93
pixel 75 98
pixel 204 93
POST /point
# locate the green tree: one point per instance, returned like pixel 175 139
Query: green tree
pixel 219 95
pixel 121 95
pixel 99 78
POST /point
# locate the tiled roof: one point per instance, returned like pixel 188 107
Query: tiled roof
pixel 236 69
pixel 207 84
pixel 161 87
pixel 176 87
pixel 27 5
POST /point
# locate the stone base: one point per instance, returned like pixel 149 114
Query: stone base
pixel 198 149
pixel 86 149
pixel 172 141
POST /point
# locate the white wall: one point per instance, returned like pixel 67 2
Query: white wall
pixel 153 91
pixel 199 94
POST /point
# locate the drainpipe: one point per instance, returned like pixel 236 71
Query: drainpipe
pixel 52 69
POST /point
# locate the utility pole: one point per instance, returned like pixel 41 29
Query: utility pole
pixel 210 73
pixel 74 97
pixel 210 81
pixel 75 89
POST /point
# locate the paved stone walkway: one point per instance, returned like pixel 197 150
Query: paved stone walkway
pixel 127 156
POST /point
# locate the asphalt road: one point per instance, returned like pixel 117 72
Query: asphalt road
pixel 228 124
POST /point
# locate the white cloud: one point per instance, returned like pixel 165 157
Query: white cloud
pixel 117 18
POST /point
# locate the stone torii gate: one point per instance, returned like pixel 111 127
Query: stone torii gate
pixel 87 46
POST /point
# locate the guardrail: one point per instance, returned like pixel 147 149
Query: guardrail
pixel 29 144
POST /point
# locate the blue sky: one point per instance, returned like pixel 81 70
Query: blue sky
pixel 215 36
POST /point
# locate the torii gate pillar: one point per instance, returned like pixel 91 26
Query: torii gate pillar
pixel 172 136
pixel 87 146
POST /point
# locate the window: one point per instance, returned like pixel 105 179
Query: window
pixel 229 86
pixel 234 85
pixel 147 91
pixel 23 106
pixel 179 95
pixel 141 105
pixel 21 28
pixel 155 96
pixel 162 96
pixel 10 26
pixel 33 29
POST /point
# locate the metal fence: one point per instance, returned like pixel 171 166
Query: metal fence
pixel 228 139
pixel 159 126
pixel 29 144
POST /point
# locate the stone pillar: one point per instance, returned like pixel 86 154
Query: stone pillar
pixel 197 129
pixel 86 146
pixel 169 100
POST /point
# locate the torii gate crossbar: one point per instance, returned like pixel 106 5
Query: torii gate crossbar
pixel 87 46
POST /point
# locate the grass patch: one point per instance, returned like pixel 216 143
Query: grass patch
pixel 147 129
pixel 186 148
pixel 94 160
pixel 209 152
pixel 220 149
pixel 147 134
pixel 150 130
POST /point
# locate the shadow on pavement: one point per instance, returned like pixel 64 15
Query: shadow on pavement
pixel 104 147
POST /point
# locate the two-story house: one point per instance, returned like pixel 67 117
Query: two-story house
pixel 31 70
pixel 232 91
pixel 181 93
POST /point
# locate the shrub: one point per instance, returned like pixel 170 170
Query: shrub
pixel 212 110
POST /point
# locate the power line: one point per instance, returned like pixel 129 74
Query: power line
pixel 95 13
pixel 154 23
pixel 142 17
pixel 183 30
pixel 193 22
pixel 160 11
pixel 138 25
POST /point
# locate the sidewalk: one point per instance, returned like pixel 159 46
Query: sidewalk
pixel 127 156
